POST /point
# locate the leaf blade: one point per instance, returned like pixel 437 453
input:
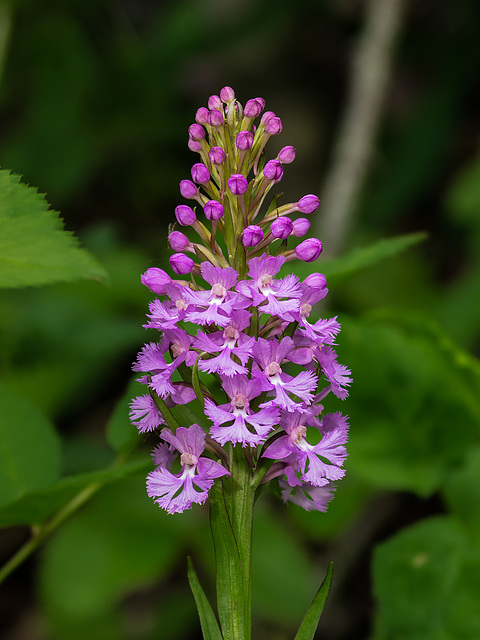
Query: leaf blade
pixel 208 621
pixel 309 624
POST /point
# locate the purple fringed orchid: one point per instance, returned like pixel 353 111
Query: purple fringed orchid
pixel 177 492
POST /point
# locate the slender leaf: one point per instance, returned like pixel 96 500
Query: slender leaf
pixel 208 621
pixel 34 248
pixel 309 624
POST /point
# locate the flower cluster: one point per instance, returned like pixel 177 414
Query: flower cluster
pixel 236 334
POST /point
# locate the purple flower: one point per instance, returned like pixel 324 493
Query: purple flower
pixel 308 204
pixel 202 115
pixel 185 215
pixel 216 305
pixel 165 315
pixel 215 118
pixel 200 173
pixel 269 355
pixel 265 288
pixel 306 495
pixel 213 210
pixel 181 263
pixel 244 140
pixel 230 341
pixel 196 132
pixel 247 426
pixel 178 241
pixel 145 414
pixel 252 235
pixel 281 228
pixel 273 126
pixel 309 250
pixel 337 374
pixel 254 107
pixel 273 170
pixel 188 190
pixel 177 492
pixel 286 155
pixel 155 279
pixel 214 102
pixel 237 184
pixel 300 227
pixel 216 155
pixel 310 458
pixel 227 94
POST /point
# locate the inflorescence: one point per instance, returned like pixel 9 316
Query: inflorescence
pixel 236 336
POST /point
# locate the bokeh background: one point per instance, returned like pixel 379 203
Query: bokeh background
pixel 95 100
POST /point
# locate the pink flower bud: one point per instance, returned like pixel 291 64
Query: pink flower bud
pixel 196 132
pixel 215 118
pixel 266 117
pixel 214 102
pixel 254 108
pixel 273 170
pixel 185 215
pixel 281 228
pixel 181 263
pixel 213 210
pixel 200 173
pixel 308 204
pixel 202 115
pixel 194 146
pixel 300 227
pixel 227 94
pixel 155 279
pixel 286 155
pixel 244 140
pixel 216 155
pixel 316 281
pixel 188 189
pixel 252 235
pixel 273 126
pixel 178 241
pixel 237 184
pixel 309 250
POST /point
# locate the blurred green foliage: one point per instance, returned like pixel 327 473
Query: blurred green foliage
pixel 95 101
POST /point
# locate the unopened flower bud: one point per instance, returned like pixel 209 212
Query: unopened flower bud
pixel 286 155
pixel 244 140
pixel 181 263
pixel 213 210
pixel 214 102
pixel 202 115
pixel 188 189
pixel 227 94
pixel 185 215
pixel 200 173
pixel 316 281
pixel 193 145
pixel 216 155
pixel 281 228
pixel 237 184
pixel 178 241
pixel 309 249
pixel 273 170
pixel 254 107
pixel 155 279
pixel 300 227
pixel 273 126
pixel 196 132
pixel 308 204
pixel 252 235
pixel 215 118
pixel 266 117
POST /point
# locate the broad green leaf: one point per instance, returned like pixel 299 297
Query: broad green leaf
pixel 37 505
pixel 34 248
pixel 29 448
pixel 427 583
pixel 462 491
pixel 208 621
pixel 229 571
pixel 310 622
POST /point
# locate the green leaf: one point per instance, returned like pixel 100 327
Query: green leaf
pixel 34 248
pixel 229 572
pixel 29 448
pixel 364 257
pixel 38 505
pixel 310 622
pixel 426 583
pixel 208 621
